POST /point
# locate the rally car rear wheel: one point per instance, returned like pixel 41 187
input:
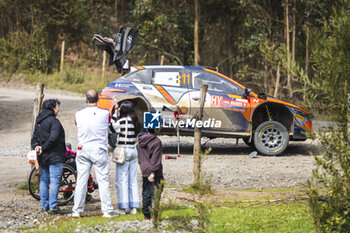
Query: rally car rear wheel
pixel 271 138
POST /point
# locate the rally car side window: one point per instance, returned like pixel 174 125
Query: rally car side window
pixel 141 76
pixel 171 78
pixel 215 83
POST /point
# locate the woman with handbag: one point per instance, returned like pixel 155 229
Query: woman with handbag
pixel 127 126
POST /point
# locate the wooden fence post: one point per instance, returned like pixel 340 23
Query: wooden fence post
pixel 162 60
pixel 62 57
pixel 197 137
pixel 37 103
pixel 104 65
pixel 278 76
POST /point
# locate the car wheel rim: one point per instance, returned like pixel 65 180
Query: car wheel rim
pixel 271 138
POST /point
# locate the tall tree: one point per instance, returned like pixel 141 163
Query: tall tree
pixel 196 25
pixel 289 79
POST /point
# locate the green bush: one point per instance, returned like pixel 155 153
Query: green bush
pixel 12 50
pixel 20 51
pixel 38 59
pixel 330 185
pixel 73 76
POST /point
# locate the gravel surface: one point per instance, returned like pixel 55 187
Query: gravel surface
pixel 228 166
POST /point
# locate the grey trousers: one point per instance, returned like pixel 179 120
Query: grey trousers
pixel 84 160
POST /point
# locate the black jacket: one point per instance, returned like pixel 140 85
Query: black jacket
pixel 49 134
pixel 149 150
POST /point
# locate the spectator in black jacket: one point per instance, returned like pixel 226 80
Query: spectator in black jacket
pixel 150 159
pixel 49 143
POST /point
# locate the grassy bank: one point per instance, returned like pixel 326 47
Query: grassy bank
pixel 228 216
pixel 71 79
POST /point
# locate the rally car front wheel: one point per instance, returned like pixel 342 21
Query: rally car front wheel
pixel 271 138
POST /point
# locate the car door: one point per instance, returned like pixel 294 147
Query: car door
pixel 224 101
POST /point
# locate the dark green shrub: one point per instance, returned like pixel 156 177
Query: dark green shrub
pixel 20 51
pixel 38 59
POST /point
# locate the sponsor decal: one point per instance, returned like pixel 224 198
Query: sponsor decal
pixel 124 85
pixel 299 117
pixel 183 110
pixel 147 88
pixel 221 102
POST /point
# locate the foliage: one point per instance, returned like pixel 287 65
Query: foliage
pixel 156 210
pixel 243 39
pixel 72 79
pixel 283 217
pixel 12 49
pixel 32 42
pixel 23 186
pixel 292 217
pixel 200 190
pixel 330 184
pixel 154 20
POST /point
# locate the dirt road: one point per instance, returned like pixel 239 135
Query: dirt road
pixel 228 165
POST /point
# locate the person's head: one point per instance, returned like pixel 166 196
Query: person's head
pixel 91 97
pixel 153 131
pixel 127 108
pixel 52 105
pixel 69 145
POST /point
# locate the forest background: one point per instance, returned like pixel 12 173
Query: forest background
pixel 297 50
pixel 270 46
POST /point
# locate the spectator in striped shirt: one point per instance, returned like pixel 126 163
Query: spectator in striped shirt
pixel 127 126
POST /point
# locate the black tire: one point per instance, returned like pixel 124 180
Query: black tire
pixel 250 144
pixel 67 185
pixel 271 138
pixel 66 189
pixel 33 183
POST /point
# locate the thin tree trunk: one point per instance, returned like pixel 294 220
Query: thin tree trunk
pixel 196 23
pixel 229 50
pixel 266 79
pixel 198 137
pixel 230 64
pixel 293 33
pixel 162 60
pixel 288 52
pixel 307 59
pixel 278 76
pixel 116 14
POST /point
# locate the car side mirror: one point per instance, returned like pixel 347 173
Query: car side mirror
pixel 247 92
pixel 262 96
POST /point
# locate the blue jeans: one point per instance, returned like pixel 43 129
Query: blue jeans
pixel 49 184
pixel 126 181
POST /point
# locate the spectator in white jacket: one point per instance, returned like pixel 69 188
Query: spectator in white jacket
pixel 92 123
